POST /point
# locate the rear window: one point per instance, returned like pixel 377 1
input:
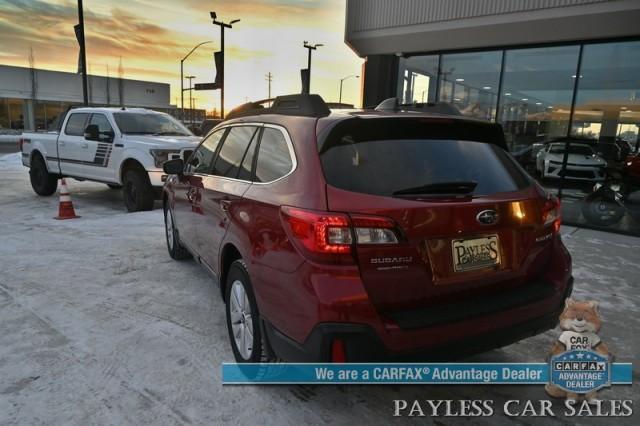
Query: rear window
pixel 383 156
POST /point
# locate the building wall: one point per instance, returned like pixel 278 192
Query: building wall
pixel 406 26
pixel 55 91
pixel 15 82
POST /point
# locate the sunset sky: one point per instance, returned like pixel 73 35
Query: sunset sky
pixel 152 36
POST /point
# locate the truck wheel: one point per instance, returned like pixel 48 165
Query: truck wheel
pixel 137 191
pixel 243 318
pixel 114 186
pixel 42 182
pixel 176 250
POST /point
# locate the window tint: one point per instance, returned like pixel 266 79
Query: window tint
pixel 102 122
pixel 247 163
pixel 75 124
pixel 233 151
pixel 274 158
pixel 383 156
pixel 202 159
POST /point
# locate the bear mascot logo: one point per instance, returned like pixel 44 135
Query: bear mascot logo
pixel 580 322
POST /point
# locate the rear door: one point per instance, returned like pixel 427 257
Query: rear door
pixel 73 149
pixel 466 215
pixel 99 152
pixel 223 188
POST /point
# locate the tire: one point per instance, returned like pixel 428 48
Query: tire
pixel 243 315
pixel 176 250
pixel 601 210
pixel 114 186
pixel 42 182
pixel 137 191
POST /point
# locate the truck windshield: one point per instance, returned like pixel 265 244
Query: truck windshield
pixel 149 124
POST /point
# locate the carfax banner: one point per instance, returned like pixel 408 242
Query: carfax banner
pixel 577 374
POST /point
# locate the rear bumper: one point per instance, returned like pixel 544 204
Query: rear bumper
pixel 363 344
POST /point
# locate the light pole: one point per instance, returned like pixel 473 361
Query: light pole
pixel 79 29
pixel 341 81
pixel 190 89
pixel 182 78
pixel 310 47
pixel 222 26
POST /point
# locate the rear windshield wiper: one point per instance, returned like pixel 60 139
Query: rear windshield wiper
pixel 439 189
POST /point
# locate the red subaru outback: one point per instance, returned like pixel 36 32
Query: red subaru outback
pixel 367 235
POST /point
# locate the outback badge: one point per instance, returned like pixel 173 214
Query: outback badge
pixel 487 217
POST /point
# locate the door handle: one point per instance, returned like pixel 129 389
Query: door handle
pixel 62 143
pixel 84 145
pixel 224 205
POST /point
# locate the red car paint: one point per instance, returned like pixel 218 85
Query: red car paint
pixel 300 284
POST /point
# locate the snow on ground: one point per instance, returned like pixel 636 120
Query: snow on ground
pixel 98 325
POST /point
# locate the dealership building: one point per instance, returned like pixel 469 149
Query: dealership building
pixel 545 70
pixel 31 99
pixel 541 68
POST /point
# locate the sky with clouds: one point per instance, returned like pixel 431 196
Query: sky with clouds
pixel 151 36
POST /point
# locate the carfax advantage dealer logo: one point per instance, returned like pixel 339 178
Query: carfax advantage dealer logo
pixel 580 371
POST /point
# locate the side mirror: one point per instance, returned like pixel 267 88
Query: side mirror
pixel 173 167
pixel 108 136
pixel 92 133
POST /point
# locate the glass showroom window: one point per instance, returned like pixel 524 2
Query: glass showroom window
pixel 16 112
pixel 417 79
pixel 4 114
pixel 608 100
pixel 470 82
pixel 606 118
pixel 537 89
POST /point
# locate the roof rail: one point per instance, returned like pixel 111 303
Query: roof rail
pixel 298 105
pixel 391 104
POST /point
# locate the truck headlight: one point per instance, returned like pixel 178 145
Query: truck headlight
pixel 162 155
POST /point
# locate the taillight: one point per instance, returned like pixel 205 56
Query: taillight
pixel 20 143
pixel 329 237
pixel 551 213
pixel 374 230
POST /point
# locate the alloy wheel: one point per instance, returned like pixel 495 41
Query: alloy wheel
pixel 241 319
pixel 169 228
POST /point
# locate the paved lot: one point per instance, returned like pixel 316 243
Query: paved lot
pixel 99 326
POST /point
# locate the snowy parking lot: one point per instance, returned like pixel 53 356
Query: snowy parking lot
pixel 99 326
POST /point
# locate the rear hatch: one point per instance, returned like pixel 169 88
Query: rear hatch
pixel 468 223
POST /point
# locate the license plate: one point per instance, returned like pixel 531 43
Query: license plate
pixel 475 253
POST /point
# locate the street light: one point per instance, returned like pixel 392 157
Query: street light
pixel 310 47
pixel 222 26
pixel 190 89
pixel 182 78
pixel 341 81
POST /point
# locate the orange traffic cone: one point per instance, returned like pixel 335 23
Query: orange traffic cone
pixel 65 209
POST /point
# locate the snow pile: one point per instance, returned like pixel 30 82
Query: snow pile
pixel 11 162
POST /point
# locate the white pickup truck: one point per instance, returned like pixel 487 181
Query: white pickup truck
pixel 122 147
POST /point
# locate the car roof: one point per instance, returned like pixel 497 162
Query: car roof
pixel 115 109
